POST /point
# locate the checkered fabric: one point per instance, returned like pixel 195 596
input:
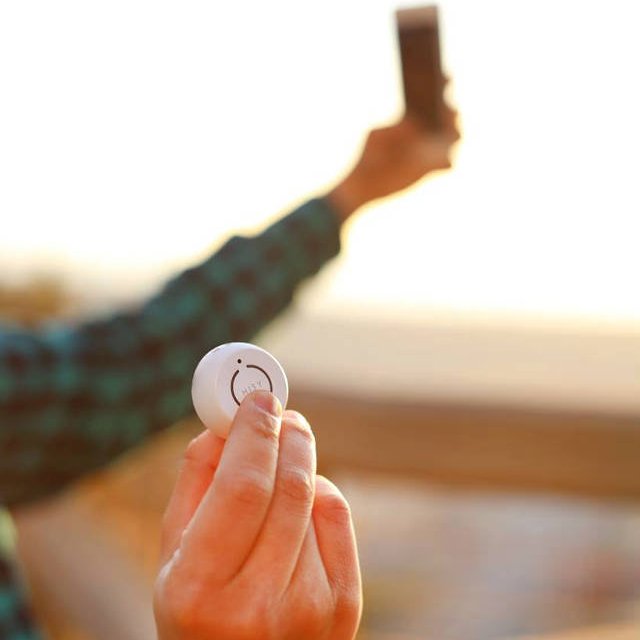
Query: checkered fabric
pixel 16 618
pixel 74 398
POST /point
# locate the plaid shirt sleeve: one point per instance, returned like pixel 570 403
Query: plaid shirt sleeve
pixel 72 399
pixel 16 616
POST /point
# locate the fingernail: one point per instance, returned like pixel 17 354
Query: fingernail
pixel 268 402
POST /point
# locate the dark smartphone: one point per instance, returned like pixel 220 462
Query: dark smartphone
pixel 419 40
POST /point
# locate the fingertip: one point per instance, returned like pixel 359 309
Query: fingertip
pixel 329 499
pixel 264 401
pixel 205 448
pixel 259 412
pixel 325 483
pixel 291 416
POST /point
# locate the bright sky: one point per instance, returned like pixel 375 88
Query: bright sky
pixel 136 135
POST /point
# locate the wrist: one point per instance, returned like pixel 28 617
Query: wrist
pixel 346 198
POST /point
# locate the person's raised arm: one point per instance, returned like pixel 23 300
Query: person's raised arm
pixel 73 398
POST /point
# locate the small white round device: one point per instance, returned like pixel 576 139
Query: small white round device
pixel 226 374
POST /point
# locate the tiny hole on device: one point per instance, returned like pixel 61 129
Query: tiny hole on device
pixel 239 361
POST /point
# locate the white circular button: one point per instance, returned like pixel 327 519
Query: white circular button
pixel 226 375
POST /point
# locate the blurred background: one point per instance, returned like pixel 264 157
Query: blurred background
pixel 485 425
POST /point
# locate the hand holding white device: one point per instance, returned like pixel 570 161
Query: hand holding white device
pixel 226 374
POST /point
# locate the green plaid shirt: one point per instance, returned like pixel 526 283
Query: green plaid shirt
pixel 74 398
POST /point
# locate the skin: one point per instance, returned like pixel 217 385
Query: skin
pixel 255 544
pixel 394 158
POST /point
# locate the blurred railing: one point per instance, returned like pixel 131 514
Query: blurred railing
pixel 501 447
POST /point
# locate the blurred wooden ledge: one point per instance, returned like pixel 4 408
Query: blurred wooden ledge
pixel 511 448
pixel 609 632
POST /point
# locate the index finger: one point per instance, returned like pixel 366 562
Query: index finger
pixel 230 516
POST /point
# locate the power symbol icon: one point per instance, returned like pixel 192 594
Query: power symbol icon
pixel 251 383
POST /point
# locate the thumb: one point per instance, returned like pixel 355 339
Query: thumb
pixel 199 465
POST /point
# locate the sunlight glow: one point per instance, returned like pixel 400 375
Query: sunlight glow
pixel 136 136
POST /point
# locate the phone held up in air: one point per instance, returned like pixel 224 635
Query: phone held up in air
pixel 422 78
